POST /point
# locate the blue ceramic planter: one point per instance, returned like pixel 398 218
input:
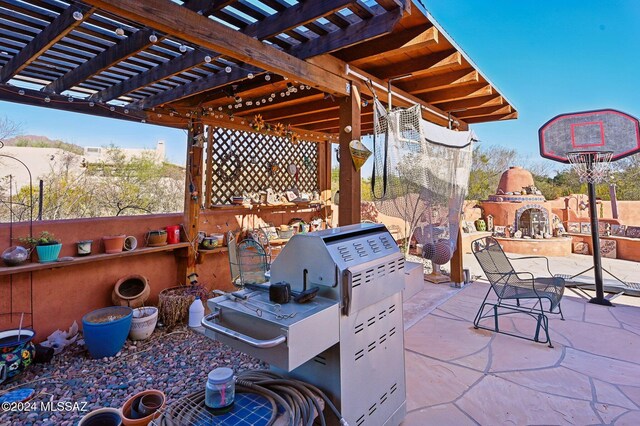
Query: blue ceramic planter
pixel 106 329
pixel 15 355
pixel 48 253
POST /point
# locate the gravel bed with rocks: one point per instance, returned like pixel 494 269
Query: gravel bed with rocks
pixel 175 362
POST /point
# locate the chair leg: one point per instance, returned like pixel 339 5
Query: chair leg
pixel 495 318
pixel 560 309
pixel 476 321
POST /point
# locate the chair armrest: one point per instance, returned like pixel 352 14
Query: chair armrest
pixel 534 257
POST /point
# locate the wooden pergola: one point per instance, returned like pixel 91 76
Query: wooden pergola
pixel 193 63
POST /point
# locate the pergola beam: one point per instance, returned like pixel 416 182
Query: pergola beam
pixel 364 30
pixel 198 86
pixel 180 22
pixel 10 93
pixel 62 25
pixel 294 16
pixel 155 74
pixel 118 52
pixel 336 40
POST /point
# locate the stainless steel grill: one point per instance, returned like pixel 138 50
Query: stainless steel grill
pixel 349 340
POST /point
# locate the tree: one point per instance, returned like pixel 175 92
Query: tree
pixel 488 165
pixel 117 186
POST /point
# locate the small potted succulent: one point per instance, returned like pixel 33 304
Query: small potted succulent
pixel 46 244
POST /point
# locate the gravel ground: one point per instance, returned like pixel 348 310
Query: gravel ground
pixel 175 362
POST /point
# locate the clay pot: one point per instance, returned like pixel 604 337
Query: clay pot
pixel 130 410
pixel 113 243
pixel 131 290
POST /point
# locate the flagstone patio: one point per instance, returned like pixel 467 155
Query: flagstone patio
pixel 457 375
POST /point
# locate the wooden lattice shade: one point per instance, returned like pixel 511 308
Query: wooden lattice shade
pixel 244 163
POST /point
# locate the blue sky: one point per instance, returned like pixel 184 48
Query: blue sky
pixel 547 56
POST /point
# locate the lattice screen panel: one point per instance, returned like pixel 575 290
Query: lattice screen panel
pixel 244 163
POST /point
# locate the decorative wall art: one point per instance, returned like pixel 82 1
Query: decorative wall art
pixel 618 230
pixel 633 232
pixel 581 248
pixel 499 231
pixel 585 228
pixel 608 248
pixel 573 227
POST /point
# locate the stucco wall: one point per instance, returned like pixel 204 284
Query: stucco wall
pixel 62 295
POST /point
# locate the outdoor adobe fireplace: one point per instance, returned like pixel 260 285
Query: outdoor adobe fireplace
pixel 522 219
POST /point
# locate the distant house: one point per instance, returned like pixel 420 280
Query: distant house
pixel 41 160
pixel 95 154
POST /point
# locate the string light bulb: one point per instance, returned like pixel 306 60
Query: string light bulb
pixel 267 77
pixel 77 15
pixel 91 103
pixel 238 99
pixel 111 108
pixel 70 99
pixel 250 76
pixel 182 48
pixel 47 99
pixel 153 38
pixel 227 69
pixel 20 92
pixel 119 31
pixel 207 59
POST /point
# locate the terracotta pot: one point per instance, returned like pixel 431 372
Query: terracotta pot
pixel 133 403
pixel 113 243
pixel 131 290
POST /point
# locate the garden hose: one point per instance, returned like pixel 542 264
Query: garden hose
pixel 299 400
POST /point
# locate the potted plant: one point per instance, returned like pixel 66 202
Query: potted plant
pixel 46 244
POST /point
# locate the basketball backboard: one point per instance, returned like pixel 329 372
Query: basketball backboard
pixel 600 130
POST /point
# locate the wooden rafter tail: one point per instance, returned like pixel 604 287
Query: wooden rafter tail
pixel 62 25
pixel 442 81
pixel 400 43
pixel 479 102
pixel 496 117
pixel 422 65
pixel 200 30
pixel 458 93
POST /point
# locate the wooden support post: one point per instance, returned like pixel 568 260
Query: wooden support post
pixel 349 127
pixel 457 273
pixel 209 168
pixel 324 171
pixel 192 194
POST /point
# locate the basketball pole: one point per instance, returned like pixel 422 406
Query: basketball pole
pixel 595 238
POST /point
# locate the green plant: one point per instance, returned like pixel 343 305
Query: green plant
pixel 44 239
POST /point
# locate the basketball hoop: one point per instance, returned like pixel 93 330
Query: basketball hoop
pixel 591 166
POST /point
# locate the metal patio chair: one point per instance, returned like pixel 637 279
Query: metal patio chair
pixel 513 287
